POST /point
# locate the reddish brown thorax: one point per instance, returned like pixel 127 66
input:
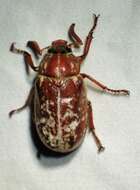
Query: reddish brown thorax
pixel 59 61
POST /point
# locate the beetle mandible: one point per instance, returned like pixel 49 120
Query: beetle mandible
pixel 62 111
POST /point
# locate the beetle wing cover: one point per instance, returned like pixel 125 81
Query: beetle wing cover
pixel 60 107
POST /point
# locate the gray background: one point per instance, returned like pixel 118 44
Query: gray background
pixel 113 59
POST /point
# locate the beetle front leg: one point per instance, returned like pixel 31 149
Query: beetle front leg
pixel 27 58
pixel 105 88
pixel 92 128
pixel 27 103
pixel 89 38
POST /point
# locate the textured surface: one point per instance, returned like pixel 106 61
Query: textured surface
pixel 113 59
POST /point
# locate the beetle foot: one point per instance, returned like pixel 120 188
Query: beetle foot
pixel 117 92
pixel 127 92
pixel 12 47
pixel 11 113
pixel 101 149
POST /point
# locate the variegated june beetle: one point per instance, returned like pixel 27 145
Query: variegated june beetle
pixel 62 111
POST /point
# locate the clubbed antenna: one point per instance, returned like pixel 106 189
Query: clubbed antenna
pixel 74 37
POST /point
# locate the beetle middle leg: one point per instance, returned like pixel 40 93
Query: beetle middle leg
pixel 105 88
pixel 27 103
pixel 92 128
pixel 27 58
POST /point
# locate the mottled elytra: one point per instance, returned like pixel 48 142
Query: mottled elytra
pixel 61 111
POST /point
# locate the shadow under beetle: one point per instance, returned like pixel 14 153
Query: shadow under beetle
pixel 62 111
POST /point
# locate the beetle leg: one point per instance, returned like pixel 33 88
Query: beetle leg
pixel 27 58
pixel 105 88
pixel 27 103
pixel 34 47
pixel 89 38
pixel 92 128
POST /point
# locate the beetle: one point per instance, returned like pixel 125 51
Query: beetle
pixel 62 112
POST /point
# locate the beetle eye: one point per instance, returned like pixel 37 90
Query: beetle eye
pixel 52 50
pixel 68 49
pixel 62 49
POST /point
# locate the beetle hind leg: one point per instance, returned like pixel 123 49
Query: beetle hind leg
pixel 92 128
pixel 17 110
pixel 27 103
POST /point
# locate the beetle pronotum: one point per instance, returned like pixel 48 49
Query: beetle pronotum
pixel 62 111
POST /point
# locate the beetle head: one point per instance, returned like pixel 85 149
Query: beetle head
pixel 59 46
